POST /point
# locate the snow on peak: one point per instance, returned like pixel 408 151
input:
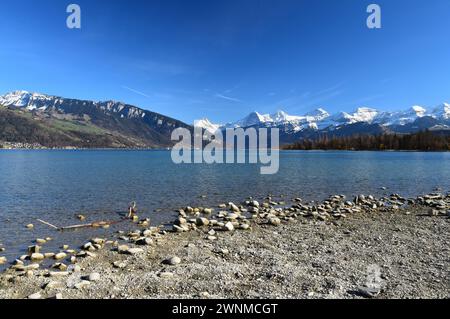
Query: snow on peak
pixel 207 125
pixel 252 119
pixel 283 117
pixel 317 115
pixel 418 110
pixel 364 114
pixel 24 99
pixel 16 98
pixel 442 111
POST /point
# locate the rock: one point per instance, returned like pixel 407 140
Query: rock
pixel 82 284
pixel 37 257
pixel 119 264
pixel 144 222
pixel 228 226
pixel 58 273
pixel 433 212
pixel 201 221
pixel 40 241
pixel 149 232
pixel 204 294
pixel 60 266
pixel 212 238
pixel 123 249
pixel 144 241
pixel 254 210
pixel 95 276
pixel 30 226
pixel 222 206
pixel 207 211
pixel 165 275
pixel 254 204
pixel 34 249
pixel 172 261
pixel 32 267
pixel 98 241
pixel 3 260
pixel 275 221
pixel 368 292
pixel 53 285
pixel 179 229
pixel 189 209
pixel 49 255
pixel 81 217
pixel 134 251
pixel 181 221
pixel 74 268
pixel 233 207
pixel 232 216
pixel 59 256
pixel 212 232
pixel 18 262
pixel 35 296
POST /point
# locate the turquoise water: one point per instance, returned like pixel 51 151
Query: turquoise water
pixel 58 185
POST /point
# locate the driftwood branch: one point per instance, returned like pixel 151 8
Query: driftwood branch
pixel 48 224
pixel 91 225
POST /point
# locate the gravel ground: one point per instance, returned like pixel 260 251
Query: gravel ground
pixel 403 252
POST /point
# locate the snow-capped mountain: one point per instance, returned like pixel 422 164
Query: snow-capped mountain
pixel 29 101
pixel 317 115
pixel 43 102
pixel 442 111
pixel 100 124
pixel 207 125
pixel 131 125
pixel 321 120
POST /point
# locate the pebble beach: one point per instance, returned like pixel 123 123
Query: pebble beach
pixel 269 248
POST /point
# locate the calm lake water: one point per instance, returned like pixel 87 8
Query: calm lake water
pixel 58 185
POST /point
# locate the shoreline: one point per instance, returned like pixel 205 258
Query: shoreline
pixel 169 149
pixel 296 248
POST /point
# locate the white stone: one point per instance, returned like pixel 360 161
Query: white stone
pixel 229 226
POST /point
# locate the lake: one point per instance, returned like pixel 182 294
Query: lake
pixel 57 185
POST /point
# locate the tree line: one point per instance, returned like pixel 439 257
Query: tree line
pixel 422 141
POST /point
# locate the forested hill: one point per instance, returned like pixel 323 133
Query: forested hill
pixel 422 141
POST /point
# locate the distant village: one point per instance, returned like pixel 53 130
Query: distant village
pixel 27 146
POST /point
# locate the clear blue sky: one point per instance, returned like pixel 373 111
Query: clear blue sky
pixel 223 59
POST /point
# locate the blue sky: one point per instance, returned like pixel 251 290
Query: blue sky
pixel 191 59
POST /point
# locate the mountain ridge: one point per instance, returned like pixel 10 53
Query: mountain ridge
pixel 55 121
pixel 320 119
pixel 106 123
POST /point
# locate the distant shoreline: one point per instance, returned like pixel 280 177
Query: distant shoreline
pixel 169 149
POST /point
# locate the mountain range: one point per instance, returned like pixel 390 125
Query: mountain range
pixel 54 121
pixel 363 120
